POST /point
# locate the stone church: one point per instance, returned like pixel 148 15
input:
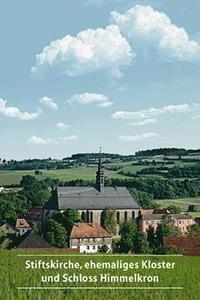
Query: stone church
pixel 91 201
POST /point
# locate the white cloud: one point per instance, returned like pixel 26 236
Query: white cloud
pixel 106 104
pixel 62 126
pixel 91 50
pixel 196 117
pixel 14 112
pixel 142 123
pixel 87 98
pixel 48 102
pixel 137 137
pixel 45 141
pixel 151 28
pixel 153 112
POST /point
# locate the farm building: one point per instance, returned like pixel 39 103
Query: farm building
pixel 89 238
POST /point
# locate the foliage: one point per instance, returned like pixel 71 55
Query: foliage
pixel 55 234
pixel 104 249
pixel 194 230
pixel 174 209
pixel 108 220
pixel 67 218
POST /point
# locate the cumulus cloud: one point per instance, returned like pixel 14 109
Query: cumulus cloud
pixel 137 137
pixel 91 50
pixel 142 123
pixel 48 102
pixel 87 98
pixel 14 112
pixel 154 112
pixel 155 29
pixel 62 126
pixel 45 141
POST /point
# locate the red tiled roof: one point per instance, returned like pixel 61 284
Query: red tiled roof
pixel 88 230
pixel 160 216
pixel 22 223
pixel 188 245
pixel 35 213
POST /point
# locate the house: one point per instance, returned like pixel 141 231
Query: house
pixel 7 229
pixel 182 221
pixel 89 237
pixel 22 227
pixel 91 201
pixel 187 245
pixel 35 216
pixel 33 241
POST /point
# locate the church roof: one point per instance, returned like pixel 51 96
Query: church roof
pixel 91 198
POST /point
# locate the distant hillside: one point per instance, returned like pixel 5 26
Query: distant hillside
pixel 167 152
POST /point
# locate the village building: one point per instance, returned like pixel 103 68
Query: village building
pixel 22 227
pixel 33 241
pixel 91 201
pixel 7 229
pixel 187 245
pixel 181 221
pixel 35 216
pixel 89 238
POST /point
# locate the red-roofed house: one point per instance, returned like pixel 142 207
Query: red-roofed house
pixel 35 215
pixel 187 245
pixel 89 237
pixel 22 227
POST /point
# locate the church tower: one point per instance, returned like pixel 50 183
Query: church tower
pixel 100 175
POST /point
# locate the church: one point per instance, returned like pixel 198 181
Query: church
pixel 91 201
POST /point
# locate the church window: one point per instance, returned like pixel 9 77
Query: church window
pixel 125 216
pixel 118 217
pixel 91 217
pixel 133 215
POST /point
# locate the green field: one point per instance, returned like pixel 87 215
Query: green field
pixel 184 277
pixel 87 173
pixel 183 203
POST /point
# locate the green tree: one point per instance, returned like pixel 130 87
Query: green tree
pixel 108 220
pixel 128 233
pixel 194 230
pixel 55 234
pixel 140 243
pixel 67 218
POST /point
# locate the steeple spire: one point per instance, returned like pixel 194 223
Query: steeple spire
pixel 100 175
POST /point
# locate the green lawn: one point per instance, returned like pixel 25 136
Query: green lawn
pixel 13 274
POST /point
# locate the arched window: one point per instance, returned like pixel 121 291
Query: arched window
pixel 133 215
pixel 83 216
pixel 88 217
pixel 125 216
pixel 118 217
pixel 91 217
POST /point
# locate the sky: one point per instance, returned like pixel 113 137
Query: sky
pixel 77 75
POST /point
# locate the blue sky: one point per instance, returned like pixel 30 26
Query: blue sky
pixel 119 74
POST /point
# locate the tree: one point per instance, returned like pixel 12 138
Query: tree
pixel 55 234
pixel 108 220
pixel 165 228
pixel 68 218
pixel 128 232
pixel 140 243
pixel 194 230
pixel 174 209
pixel 151 238
pixel 104 249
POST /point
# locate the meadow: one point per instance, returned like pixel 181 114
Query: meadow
pixel 13 274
